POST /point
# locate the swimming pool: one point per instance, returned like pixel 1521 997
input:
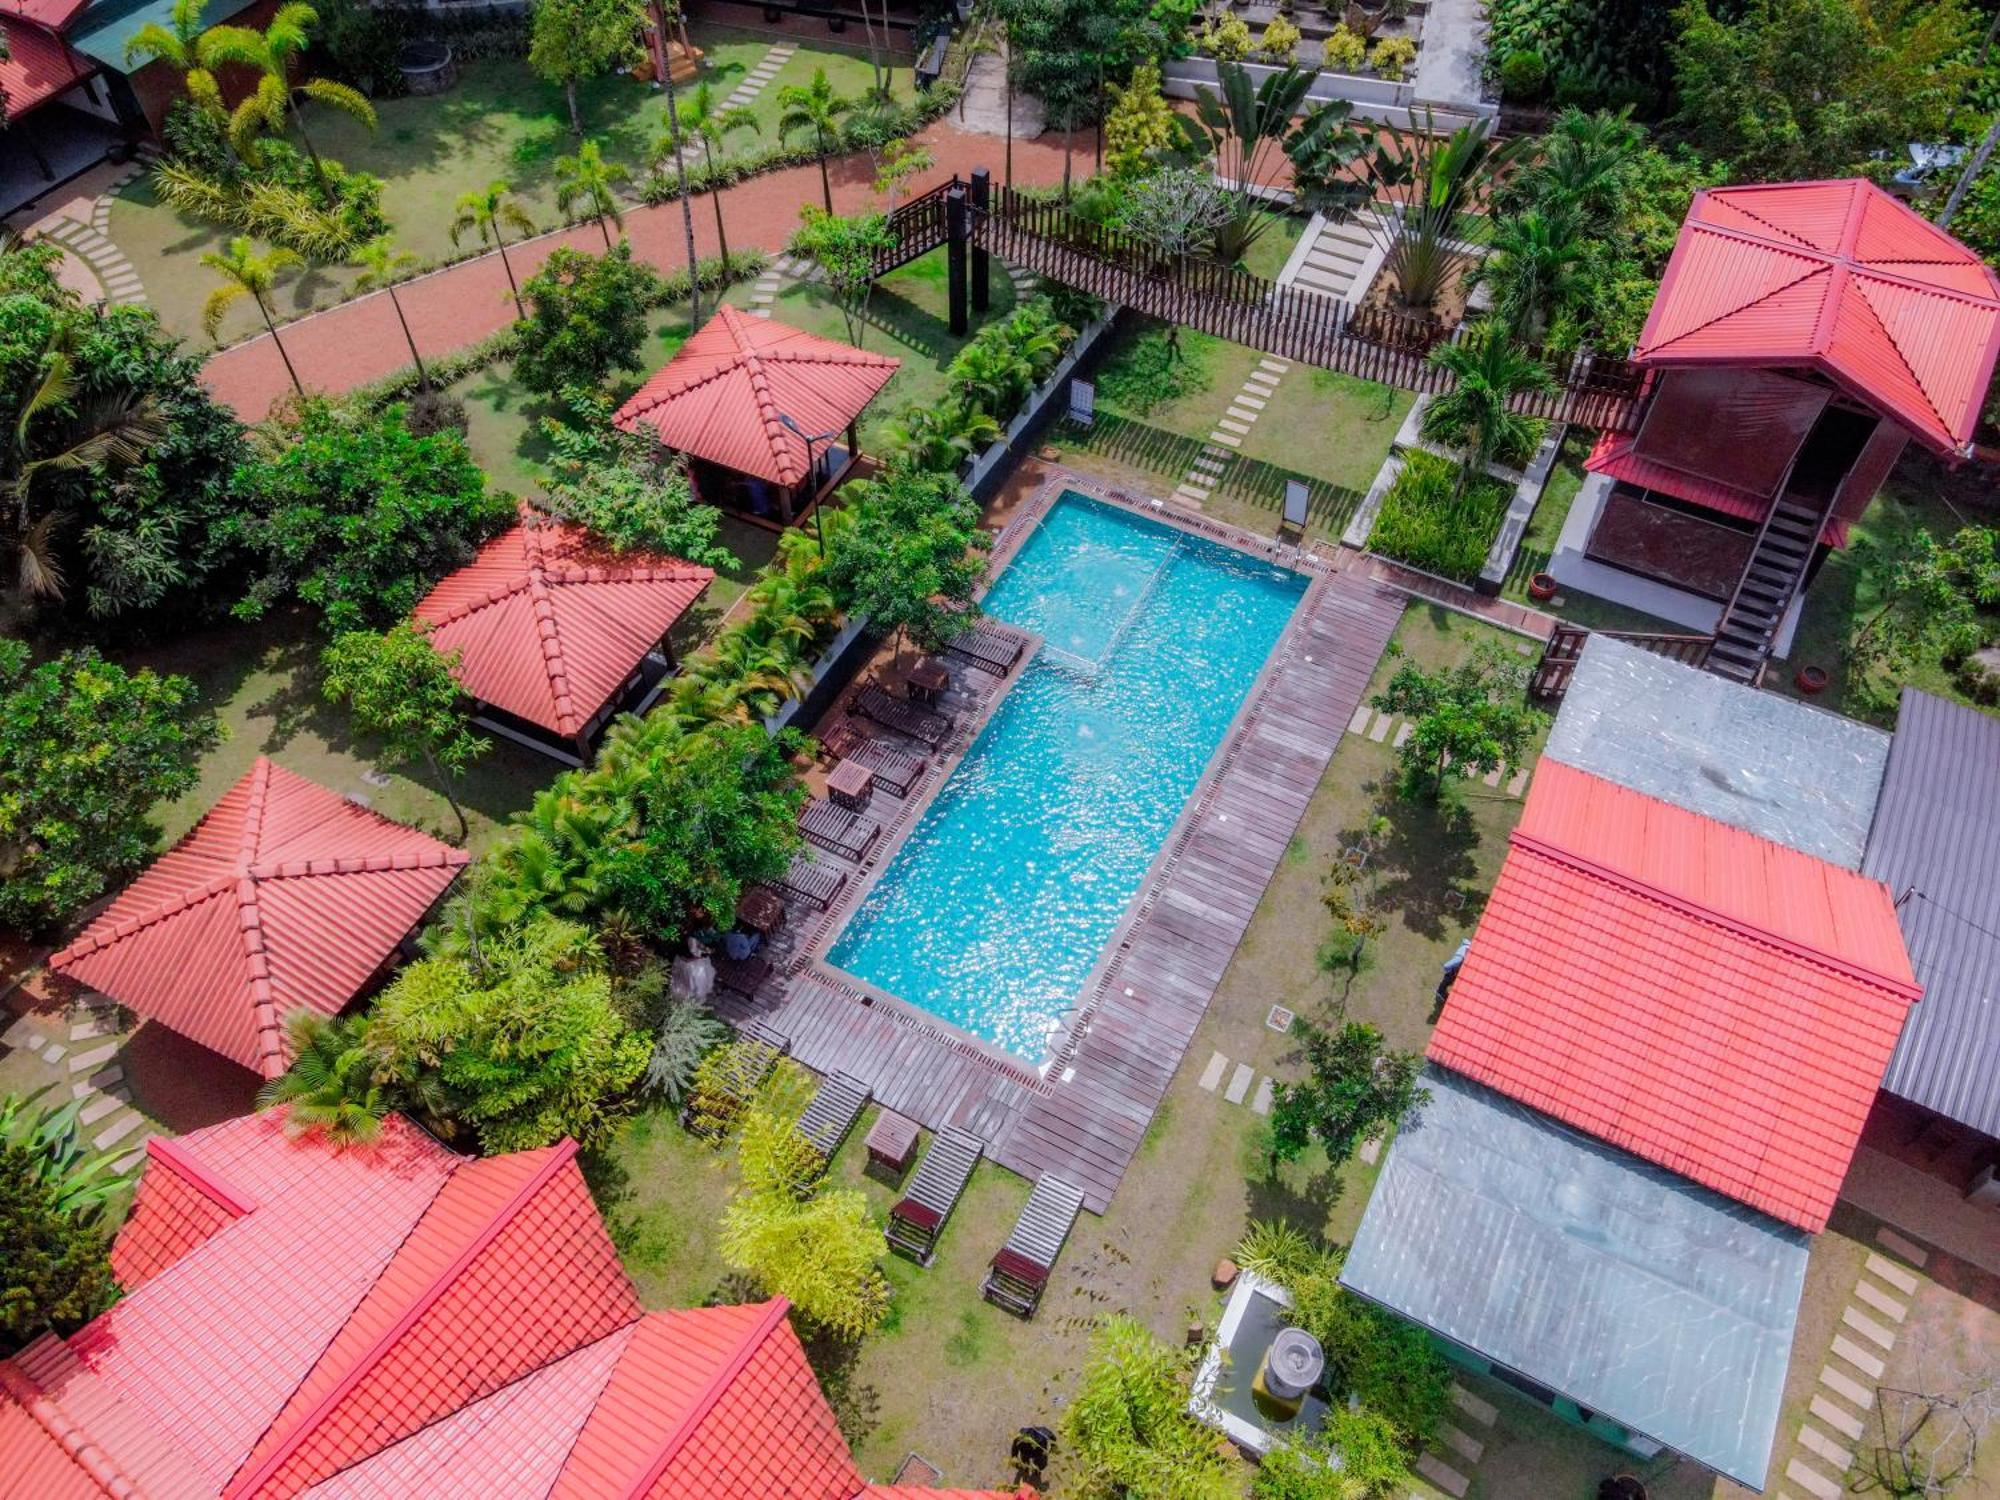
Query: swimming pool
pixel 995 909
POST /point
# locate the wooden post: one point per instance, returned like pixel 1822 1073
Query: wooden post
pixel 982 260
pixel 957 238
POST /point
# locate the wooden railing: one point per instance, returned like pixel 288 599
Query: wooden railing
pixel 919 227
pixel 1558 664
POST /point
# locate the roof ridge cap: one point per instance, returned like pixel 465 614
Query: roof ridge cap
pixel 1819 267
pixel 564 1152
pixel 548 632
pixel 68 1434
pixel 187 900
pixel 767 405
pixel 173 1154
pixel 1902 359
pixel 1637 885
pixel 697 1413
pixel 363 864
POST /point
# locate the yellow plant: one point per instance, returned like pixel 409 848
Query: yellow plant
pixel 1281 41
pixel 1229 41
pixel 1392 57
pixel 1345 51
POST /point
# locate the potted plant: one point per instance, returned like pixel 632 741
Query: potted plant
pixel 1811 680
pixel 1542 586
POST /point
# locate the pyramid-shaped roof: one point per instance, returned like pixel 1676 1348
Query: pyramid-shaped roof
pixel 284 896
pixel 379 1322
pixel 1838 277
pixel 549 623
pixel 723 395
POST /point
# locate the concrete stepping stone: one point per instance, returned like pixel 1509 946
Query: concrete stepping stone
pixel 105 1139
pixel 1442 1474
pixel 93 1027
pixel 55 1052
pixel 1894 1274
pixel 1846 1387
pixel 1811 1480
pixel 1491 778
pixel 1837 1417
pixel 92 1060
pixel 1821 1446
pixel 1403 733
pixel 1895 1244
pixel 1464 1444
pixel 1359 723
pixel 1239 1083
pixel 98 1108
pixel 1237 427
pixel 129 1160
pixel 1260 1104
pixel 1481 1411
pixel 1868 1328
pixel 1518 785
pixel 1228 440
pixel 1212 1074
pixel 1869 1364
pixel 1371 1150
pixel 1381 730
pixel 1880 1300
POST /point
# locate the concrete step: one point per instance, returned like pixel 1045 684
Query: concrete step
pixel 90 1060
pixel 107 1138
pixel 98 1108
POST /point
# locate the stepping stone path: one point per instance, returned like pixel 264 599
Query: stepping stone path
pixel 96 1082
pixel 754 83
pixel 91 243
pixel 1456 1451
pixel 1839 1410
pixel 1388 729
pixel 1239 1084
pixel 1234 426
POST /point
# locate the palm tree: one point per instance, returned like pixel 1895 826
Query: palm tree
pixel 331 1086
pixel 53 432
pixel 245 273
pixel 1434 180
pixel 381 264
pixel 492 211
pixel 700 116
pixel 1582 162
pixel 1239 127
pixel 680 167
pixel 1477 413
pixel 272 52
pixel 817 107
pixel 589 178
pixel 1532 268
pixel 183 46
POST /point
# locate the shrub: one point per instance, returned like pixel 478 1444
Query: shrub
pixel 1517 444
pixel 1127 1429
pixel 1228 41
pixel 587 317
pixel 1393 56
pixel 1344 51
pixel 1354 1088
pixel 433 411
pixel 687 1033
pixel 1141 123
pixel 57 1269
pixel 1427 522
pixel 1280 43
pixel 613 483
pixel 1524 76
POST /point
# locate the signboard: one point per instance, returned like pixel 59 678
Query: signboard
pixel 1295 503
pixel 1082 403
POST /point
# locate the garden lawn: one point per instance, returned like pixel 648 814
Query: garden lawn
pixel 908 317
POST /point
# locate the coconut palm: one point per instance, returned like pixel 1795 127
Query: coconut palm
pixel 1532 267
pixel 382 264
pixel 492 211
pixel 589 179
pixel 816 107
pixel 181 44
pixel 331 1087
pixel 1581 164
pixel 1477 412
pixel 49 433
pixel 245 273
pixel 272 52
pixel 700 116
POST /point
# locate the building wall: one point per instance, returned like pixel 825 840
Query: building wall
pixel 1857 491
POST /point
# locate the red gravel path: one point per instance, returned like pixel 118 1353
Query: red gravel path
pixel 359 341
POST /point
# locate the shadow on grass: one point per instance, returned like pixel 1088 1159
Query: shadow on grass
pixel 1424 868
pixel 856 1403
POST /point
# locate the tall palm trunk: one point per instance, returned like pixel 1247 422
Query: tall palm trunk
pixel 604 224
pixel 874 57
pixel 297 385
pixel 1097 149
pixel 500 242
pixel 423 378
pixel 715 197
pixel 299 119
pixel 687 207
pixel 825 182
pixel 1007 88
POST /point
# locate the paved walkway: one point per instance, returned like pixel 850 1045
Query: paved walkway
pixel 359 341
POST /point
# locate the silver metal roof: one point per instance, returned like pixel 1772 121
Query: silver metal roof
pixel 1618 1284
pixel 1936 845
pixel 1758 761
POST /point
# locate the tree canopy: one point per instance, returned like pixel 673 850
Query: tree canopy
pixel 1354 1088
pixel 402 688
pixel 911 559
pixel 614 484
pixel 586 318
pixel 1470 718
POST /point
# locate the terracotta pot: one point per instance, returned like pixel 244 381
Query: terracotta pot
pixel 1811 679
pixel 1542 586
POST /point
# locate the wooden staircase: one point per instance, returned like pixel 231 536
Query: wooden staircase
pixel 1770 582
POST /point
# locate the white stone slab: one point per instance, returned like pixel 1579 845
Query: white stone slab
pixel 1239 1083
pixel 1212 1074
pixel 1892 1273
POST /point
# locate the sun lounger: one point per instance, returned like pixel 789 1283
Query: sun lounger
pixel 919 1217
pixel 923 725
pixel 984 646
pixel 752 1057
pixel 831 1114
pixel 896 771
pixel 812 882
pixel 741 976
pixel 839 831
pixel 1020 1272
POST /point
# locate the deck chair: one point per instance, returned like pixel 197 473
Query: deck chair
pixel 919 1216
pixel 926 727
pixel 1020 1272
pixel 896 771
pixel 812 882
pixel 830 1115
pixel 839 830
pixel 752 1060
pixel 993 650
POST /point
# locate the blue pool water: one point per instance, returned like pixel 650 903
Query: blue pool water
pixel 995 909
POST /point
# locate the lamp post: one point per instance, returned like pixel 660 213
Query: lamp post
pixel 812 475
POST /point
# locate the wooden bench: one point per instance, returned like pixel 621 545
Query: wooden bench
pixel 836 1104
pixel 919 1216
pixel 920 724
pixel 896 771
pixel 982 645
pixel 839 831
pixel 1020 1272
pixel 812 882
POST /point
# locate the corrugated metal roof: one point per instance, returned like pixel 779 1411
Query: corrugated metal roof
pixel 284 896
pixel 1840 277
pixel 1762 762
pixel 38 66
pixel 721 396
pixel 1713 1002
pixel 1936 844
pixel 1615 455
pixel 1612 1282
pixel 549 623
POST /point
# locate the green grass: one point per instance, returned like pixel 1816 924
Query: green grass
pixel 1430 521
pixel 500 122
pixel 1267 257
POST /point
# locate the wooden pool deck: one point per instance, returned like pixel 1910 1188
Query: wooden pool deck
pixel 1085 1115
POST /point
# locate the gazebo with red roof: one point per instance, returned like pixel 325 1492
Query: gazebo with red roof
pixel 555 633
pixel 756 407
pixel 285 896
pixel 1803 334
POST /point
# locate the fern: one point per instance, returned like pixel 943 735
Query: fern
pixel 687 1034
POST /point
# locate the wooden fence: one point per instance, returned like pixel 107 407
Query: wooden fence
pixel 1558 664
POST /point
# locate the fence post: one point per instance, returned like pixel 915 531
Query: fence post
pixel 957 225
pixel 982 259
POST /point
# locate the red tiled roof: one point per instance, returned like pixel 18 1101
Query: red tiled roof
pixel 37 1463
pixel 39 66
pixel 1703 998
pixel 388 1321
pixel 285 895
pixel 721 396
pixel 182 1205
pixel 55 15
pixel 1614 455
pixel 1840 277
pixel 549 624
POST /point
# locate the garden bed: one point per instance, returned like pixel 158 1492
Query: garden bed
pixel 1430 521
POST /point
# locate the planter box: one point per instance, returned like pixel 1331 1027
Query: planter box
pixel 1372 98
pixel 982 469
pixel 830 661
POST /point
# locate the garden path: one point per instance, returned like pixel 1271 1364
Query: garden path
pixel 459 305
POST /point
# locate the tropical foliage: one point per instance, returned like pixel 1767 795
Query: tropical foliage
pixel 1354 1088
pixel 813 110
pixel 53 1195
pixel 1127 1430
pixel 571 40
pixel 1140 127
pixel 1242 126
pixel 910 561
pixel 333 1088
pixel 1470 718
pixel 613 483
pixel 586 318
pixel 844 251
pixel 1440 516
pixel 1934 600
pixel 88 751
pixel 399 687
pixel 1476 414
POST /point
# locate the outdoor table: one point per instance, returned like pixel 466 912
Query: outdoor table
pixel 928 678
pixel 892 1141
pixel 850 784
pixel 761 910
